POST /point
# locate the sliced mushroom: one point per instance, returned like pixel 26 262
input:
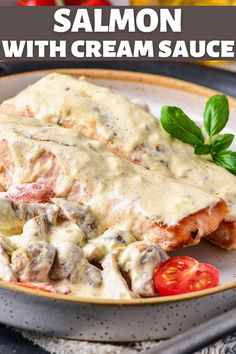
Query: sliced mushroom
pixel 34 230
pixel 139 260
pixel 69 262
pixel 110 240
pixel 27 211
pixel 92 276
pixel 67 231
pixel 13 216
pixel 114 282
pixel 93 252
pixel 6 249
pixel 10 223
pixel 33 262
pixel 80 214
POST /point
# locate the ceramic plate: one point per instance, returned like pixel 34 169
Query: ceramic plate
pixel 109 319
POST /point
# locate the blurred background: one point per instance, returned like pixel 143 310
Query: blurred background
pixel 123 2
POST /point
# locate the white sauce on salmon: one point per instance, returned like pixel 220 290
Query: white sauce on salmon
pixel 109 185
pixel 104 115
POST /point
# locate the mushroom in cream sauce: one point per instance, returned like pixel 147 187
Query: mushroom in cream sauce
pixel 139 260
pixel 114 282
pixel 14 215
pixel 92 276
pixel 6 249
pixel 52 253
pixel 35 229
pixel 33 262
pixel 67 231
pixel 27 211
pixel 10 222
pixel 70 264
pixel 111 239
pixel 80 214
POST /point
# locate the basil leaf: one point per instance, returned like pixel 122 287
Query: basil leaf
pixel 226 159
pixel 180 126
pixel 216 114
pixel 202 149
pixel 222 142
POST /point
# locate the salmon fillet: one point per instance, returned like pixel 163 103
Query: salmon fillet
pixel 225 235
pixel 151 206
pixel 128 131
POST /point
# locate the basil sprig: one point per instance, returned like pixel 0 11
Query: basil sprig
pixel 226 159
pixel 180 126
pixel 222 142
pixel 216 116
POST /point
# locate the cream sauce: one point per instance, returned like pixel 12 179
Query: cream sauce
pixel 110 240
pixel 67 231
pixel 113 280
pixel 125 126
pixel 140 260
pixel 9 221
pixel 115 189
pixel 84 290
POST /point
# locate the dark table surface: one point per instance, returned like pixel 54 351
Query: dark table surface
pixel 12 342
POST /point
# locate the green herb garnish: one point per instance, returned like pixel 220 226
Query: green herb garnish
pixel 216 116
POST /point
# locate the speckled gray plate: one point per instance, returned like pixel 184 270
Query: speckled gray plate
pixel 110 320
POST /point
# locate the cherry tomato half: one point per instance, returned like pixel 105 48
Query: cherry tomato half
pixel 29 193
pixel 182 274
pixel 36 3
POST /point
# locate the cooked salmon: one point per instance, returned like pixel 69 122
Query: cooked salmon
pixel 151 206
pixel 128 131
pixel 225 235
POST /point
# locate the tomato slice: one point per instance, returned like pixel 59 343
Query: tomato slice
pixel 182 274
pixel 37 286
pixel 29 193
pixel 49 288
